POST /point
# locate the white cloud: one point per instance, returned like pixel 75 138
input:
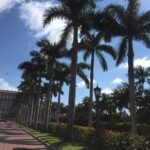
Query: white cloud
pixel 83 85
pixel 144 62
pixel 32 13
pixel 117 81
pixel 8 4
pixel 4 85
pixel 107 91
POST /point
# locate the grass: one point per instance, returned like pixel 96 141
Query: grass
pixel 54 141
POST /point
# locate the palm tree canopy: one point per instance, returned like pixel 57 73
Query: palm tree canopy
pixel 63 72
pixel 141 74
pixel 91 43
pixel 129 23
pixel 72 11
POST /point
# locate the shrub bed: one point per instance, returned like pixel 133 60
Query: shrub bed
pixel 143 129
pixel 112 140
pixel 125 141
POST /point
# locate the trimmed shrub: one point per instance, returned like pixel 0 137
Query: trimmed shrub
pixel 112 140
pixel 125 141
pixel 143 129
pixel 119 127
pixel 84 135
pixel 58 130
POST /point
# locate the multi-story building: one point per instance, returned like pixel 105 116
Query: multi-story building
pixel 6 102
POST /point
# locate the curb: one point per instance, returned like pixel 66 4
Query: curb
pixel 40 140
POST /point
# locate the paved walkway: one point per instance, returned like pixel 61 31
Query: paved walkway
pixel 12 137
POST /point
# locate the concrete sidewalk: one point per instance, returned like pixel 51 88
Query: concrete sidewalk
pixel 12 137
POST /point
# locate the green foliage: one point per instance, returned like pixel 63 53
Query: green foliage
pixel 119 127
pixel 125 141
pixel 143 129
pixel 58 130
pixel 84 135
pixel 112 140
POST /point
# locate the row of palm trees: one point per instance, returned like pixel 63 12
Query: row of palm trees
pixel 44 75
pixel 115 106
pixel 81 16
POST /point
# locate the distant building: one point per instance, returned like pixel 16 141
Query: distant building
pixel 6 101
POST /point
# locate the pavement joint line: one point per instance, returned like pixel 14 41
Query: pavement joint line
pixel 42 141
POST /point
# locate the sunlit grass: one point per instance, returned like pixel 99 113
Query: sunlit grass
pixel 54 141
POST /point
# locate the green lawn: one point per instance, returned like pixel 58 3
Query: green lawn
pixel 55 141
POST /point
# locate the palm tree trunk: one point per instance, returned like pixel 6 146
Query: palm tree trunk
pixel 25 114
pixel 40 109
pixel 72 89
pixel 91 90
pixel 50 115
pixel 132 87
pixel 48 103
pixel 32 104
pixel 31 109
pixel 38 103
pixel 28 114
pixel 58 109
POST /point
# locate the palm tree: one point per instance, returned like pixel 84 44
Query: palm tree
pixel 121 96
pixel 29 84
pixel 82 110
pixel 141 74
pixel 38 61
pixel 51 52
pixel 63 75
pixel 92 46
pixel 73 12
pixel 131 25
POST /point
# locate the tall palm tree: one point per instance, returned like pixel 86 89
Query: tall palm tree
pixel 51 53
pixel 38 61
pixel 141 74
pixel 131 25
pixel 29 84
pixel 92 46
pixel 73 12
pixel 63 75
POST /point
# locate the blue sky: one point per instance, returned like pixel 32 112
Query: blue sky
pixel 21 27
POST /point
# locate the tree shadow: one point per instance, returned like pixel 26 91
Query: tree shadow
pixel 60 145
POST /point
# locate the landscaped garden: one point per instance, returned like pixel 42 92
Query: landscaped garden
pixel 116 121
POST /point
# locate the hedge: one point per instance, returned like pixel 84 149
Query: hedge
pixel 143 129
pixel 112 140
pixel 125 141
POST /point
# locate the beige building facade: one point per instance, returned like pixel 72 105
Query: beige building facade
pixel 6 102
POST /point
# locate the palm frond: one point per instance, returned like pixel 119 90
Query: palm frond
pixel 122 51
pixel 83 76
pixel 108 49
pixel 55 12
pixel 86 55
pixel 25 65
pixel 102 60
pixel 116 11
pixel 144 18
pixel 83 65
pixel 86 4
pixel 34 53
pixel 65 34
pixel 133 8
pixel 145 39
